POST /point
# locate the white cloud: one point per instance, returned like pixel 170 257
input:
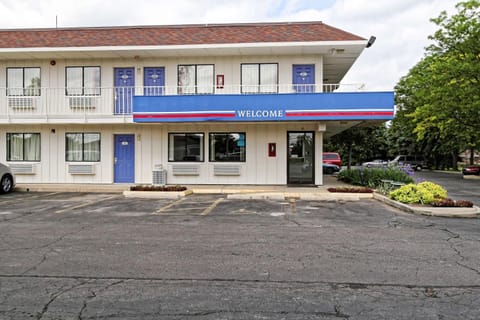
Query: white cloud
pixel 401 26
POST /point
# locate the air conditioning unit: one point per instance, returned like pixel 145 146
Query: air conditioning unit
pixel 81 169
pixel 185 170
pixel 22 102
pixel 81 102
pixel 159 175
pixel 226 170
pixel 22 168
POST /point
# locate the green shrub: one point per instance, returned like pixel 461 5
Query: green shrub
pixel 424 193
pixel 373 177
pixel 406 194
pixel 438 191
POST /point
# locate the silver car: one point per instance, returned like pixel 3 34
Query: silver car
pixel 7 179
pixel 375 164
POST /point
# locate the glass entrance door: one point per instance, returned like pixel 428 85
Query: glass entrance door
pixel 301 160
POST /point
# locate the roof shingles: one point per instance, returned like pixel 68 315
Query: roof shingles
pixel 173 35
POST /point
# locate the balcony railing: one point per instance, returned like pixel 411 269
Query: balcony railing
pixel 116 103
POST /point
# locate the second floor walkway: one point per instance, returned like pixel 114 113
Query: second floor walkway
pixel 116 104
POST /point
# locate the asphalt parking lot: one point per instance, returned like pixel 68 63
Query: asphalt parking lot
pixel 100 255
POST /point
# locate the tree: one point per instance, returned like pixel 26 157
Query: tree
pixel 358 144
pixel 441 94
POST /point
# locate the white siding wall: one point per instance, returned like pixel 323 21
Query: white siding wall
pixel 151 148
pixel 54 76
pixel 151 141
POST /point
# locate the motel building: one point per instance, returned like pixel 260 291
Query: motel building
pixel 205 104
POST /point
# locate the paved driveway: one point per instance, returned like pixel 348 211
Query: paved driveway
pixel 92 256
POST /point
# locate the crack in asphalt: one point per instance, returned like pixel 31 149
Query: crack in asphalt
pixel 55 296
pixel 94 295
pixel 204 313
pixel 47 245
pixel 339 313
pixel 351 285
pixel 457 251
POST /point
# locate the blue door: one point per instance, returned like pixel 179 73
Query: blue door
pixel 153 81
pixel 124 168
pixel 124 83
pixel 304 78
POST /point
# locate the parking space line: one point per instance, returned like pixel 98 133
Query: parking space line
pixel 85 204
pixel 32 197
pixel 206 203
pixel 163 209
pixel 186 209
pixel 210 208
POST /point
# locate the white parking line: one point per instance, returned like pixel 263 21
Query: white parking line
pixel 210 208
pixel 163 209
pixel 30 198
pixel 85 204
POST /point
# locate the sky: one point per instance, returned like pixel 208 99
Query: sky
pixel 401 27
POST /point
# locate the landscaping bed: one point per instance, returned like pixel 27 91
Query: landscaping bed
pixel 150 187
pixel 397 188
pixel 351 189
pixel 157 192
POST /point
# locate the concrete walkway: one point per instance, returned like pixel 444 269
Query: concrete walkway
pixel 329 181
pixel 259 192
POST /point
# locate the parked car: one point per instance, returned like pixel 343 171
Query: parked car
pixel 332 158
pixel 7 179
pixel 378 163
pixel 471 170
pixel 415 162
pixel 329 168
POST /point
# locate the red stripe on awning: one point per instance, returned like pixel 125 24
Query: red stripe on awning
pixel 184 115
pixel 338 113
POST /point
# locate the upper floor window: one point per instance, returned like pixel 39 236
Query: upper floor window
pixel 23 81
pixel 82 81
pixel 23 146
pixel 227 147
pixel 259 77
pixel 195 79
pixel 81 146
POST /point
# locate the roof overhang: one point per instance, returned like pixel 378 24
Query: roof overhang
pixel 338 56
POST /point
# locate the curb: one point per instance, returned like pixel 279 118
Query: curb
pixel 157 194
pixel 470 177
pixel 98 188
pixel 451 212
pixel 337 196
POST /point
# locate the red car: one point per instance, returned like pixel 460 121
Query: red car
pixel 332 158
pixel 471 170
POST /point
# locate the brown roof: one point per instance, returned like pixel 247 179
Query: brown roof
pixel 173 35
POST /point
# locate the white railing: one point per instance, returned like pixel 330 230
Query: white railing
pixel 56 104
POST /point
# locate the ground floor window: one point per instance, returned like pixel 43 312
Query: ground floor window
pixel 185 147
pixel 227 147
pixel 80 146
pixel 23 146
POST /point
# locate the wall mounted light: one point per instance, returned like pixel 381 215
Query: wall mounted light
pixel 371 41
pixel 53 62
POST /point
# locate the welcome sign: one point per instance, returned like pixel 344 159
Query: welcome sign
pixel 264 107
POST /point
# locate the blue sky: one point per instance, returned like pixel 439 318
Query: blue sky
pixel 401 27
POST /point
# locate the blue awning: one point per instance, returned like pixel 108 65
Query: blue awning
pixel 264 107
